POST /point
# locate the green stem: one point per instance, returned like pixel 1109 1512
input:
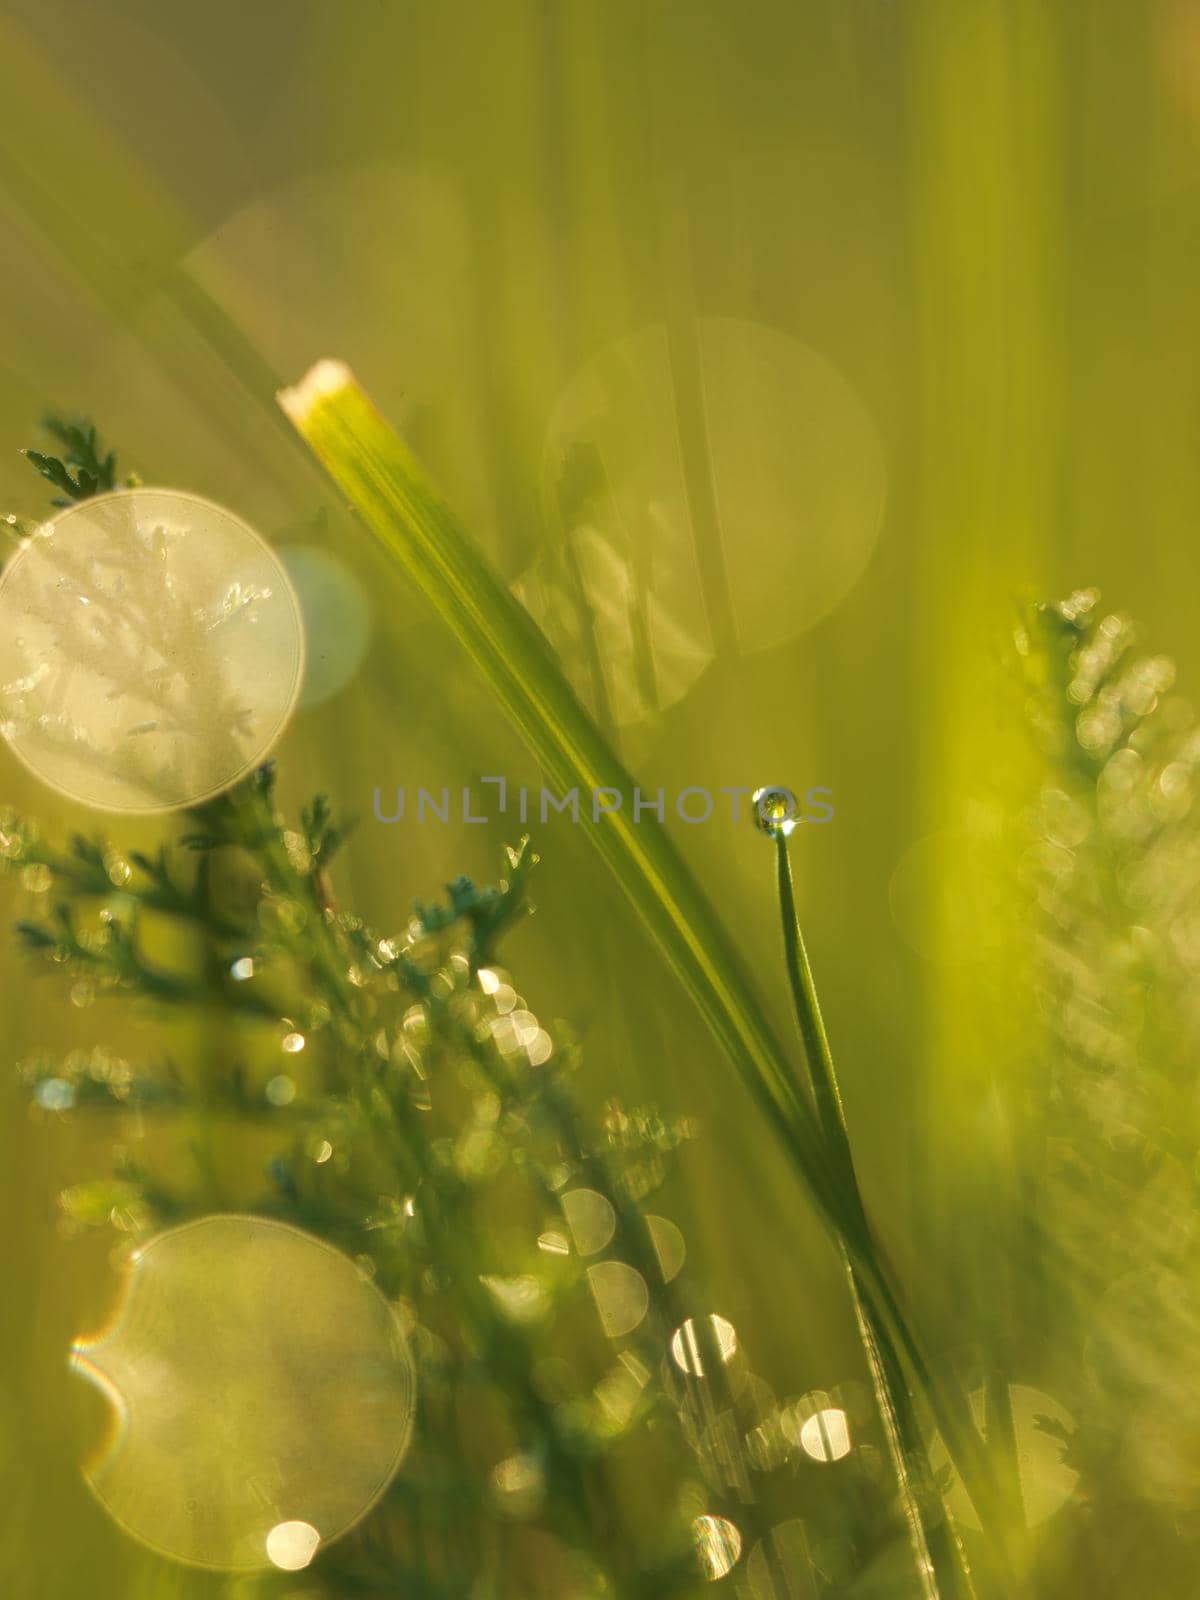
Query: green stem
pixel 938 1556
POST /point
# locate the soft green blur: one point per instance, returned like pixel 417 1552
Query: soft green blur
pixel 963 229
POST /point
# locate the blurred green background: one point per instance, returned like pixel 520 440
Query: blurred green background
pixel 894 307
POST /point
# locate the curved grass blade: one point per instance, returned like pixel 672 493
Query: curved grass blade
pixel 384 482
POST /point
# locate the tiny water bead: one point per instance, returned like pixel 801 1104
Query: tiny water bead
pixel 151 650
pixel 775 810
pixel 262 1394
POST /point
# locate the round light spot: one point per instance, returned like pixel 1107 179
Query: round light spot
pixel 669 1246
pixel 292 1545
pixel 522 1299
pixel 692 1343
pixel 518 1485
pixel 621 1296
pixel 337 619
pixel 151 650
pixel 771 499
pixel 825 1436
pixel 55 1094
pixel 260 1385
pixel 718 1546
pixel 591 1219
pixel 1040 1425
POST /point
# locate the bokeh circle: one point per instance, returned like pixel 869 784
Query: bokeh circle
pixel 151 650
pixel 262 1393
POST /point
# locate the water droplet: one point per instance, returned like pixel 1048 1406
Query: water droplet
pixel 281 1090
pixel 292 1043
pixel 242 969
pixel 775 810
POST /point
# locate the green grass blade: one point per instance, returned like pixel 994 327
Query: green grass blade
pixel 939 1559
pixel 384 482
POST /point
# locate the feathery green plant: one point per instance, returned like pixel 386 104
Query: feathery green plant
pixel 93 473
pixel 1111 870
pixel 429 1128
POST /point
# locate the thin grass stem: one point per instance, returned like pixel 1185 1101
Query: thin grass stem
pixel 938 1556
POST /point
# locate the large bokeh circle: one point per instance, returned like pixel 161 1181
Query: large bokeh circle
pixel 151 650
pixel 262 1393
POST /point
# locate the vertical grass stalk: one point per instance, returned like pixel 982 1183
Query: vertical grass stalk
pixel 938 1556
